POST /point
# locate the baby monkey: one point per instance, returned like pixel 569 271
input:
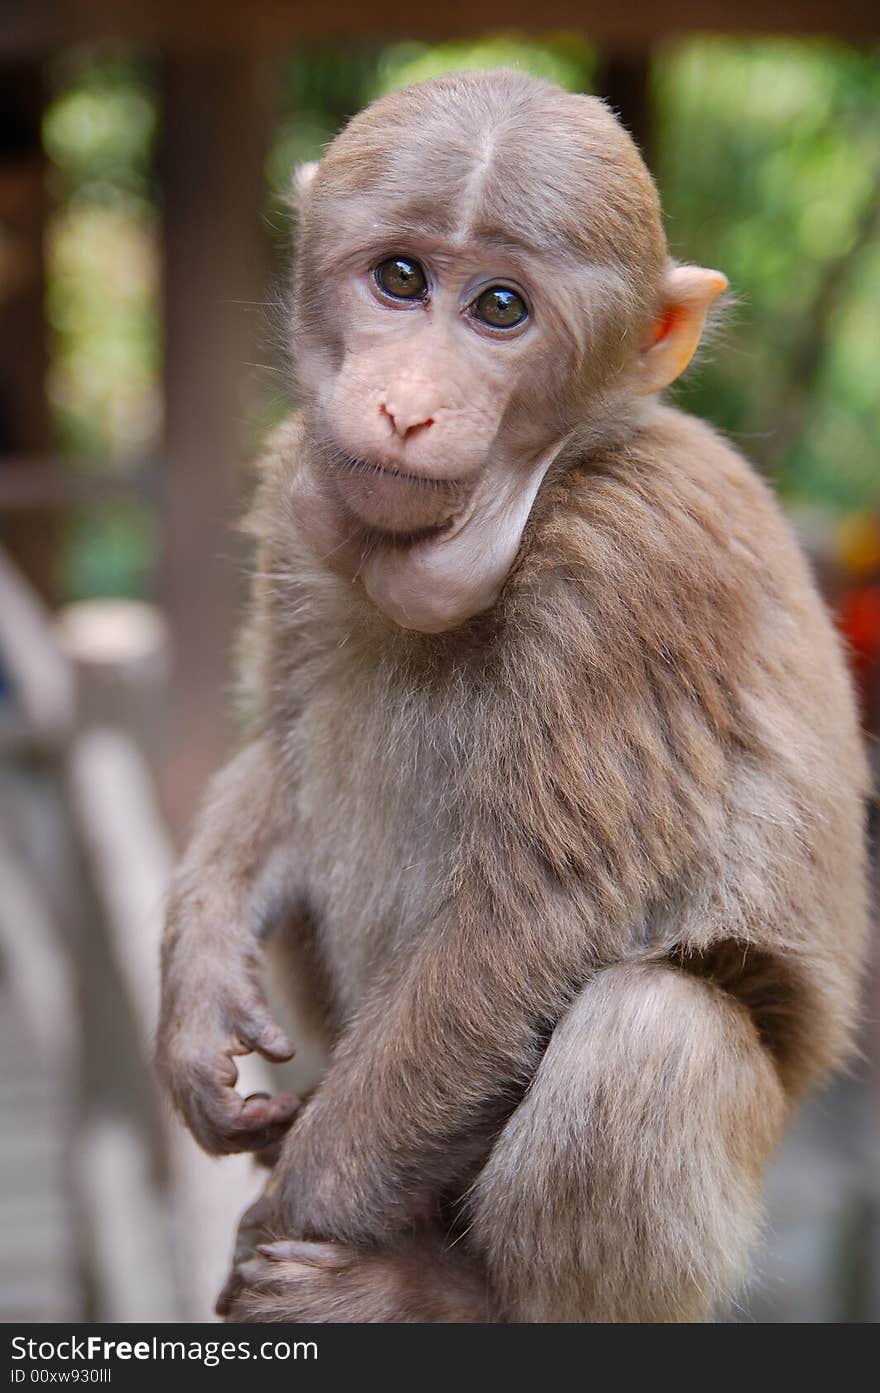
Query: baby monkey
pixel 554 786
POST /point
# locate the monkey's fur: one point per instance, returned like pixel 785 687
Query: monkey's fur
pixel 575 887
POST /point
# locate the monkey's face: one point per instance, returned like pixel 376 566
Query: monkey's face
pixel 432 389
pixel 481 273
pixel 424 407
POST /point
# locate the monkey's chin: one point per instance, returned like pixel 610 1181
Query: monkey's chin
pixel 439 583
pixel 396 506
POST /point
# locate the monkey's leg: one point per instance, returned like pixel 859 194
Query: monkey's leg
pixel 625 1187
pixel 420 1277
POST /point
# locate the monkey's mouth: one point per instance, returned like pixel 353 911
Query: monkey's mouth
pixel 395 505
pixel 369 467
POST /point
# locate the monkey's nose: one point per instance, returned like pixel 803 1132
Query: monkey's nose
pixel 403 421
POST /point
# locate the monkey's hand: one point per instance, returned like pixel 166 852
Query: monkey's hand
pixel 202 1029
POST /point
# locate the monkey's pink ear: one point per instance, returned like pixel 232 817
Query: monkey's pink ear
pixel 688 295
pixel 303 176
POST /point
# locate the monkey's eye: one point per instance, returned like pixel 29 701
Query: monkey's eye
pixel 500 308
pixel 401 278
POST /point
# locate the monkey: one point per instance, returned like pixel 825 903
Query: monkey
pixel 553 782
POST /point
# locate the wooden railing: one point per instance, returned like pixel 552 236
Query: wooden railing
pixel 156 1216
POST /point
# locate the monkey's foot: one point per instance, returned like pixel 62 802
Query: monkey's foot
pixel 296 1281
pixel 293 1282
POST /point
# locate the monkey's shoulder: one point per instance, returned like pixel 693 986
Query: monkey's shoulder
pixel 675 508
pixel 273 469
pixel 667 564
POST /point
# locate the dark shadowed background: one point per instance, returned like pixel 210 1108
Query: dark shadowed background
pixel 145 151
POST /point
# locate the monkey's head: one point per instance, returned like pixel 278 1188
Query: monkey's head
pixel 482 276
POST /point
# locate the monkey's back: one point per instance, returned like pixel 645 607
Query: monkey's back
pixel 710 650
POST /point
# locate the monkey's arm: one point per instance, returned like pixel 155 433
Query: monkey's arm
pixel 237 872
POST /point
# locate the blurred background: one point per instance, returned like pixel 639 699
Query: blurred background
pixel 145 150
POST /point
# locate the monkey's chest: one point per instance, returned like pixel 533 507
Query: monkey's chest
pixel 378 846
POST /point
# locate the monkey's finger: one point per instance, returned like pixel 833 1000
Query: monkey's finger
pixel 226 1122
pixel 251 1272
pixel 263 1112
pixel 325 1255
pixel 266 1037
pixel 289 1112
pixel 259 1272
pixel 249 1269
pixel 246 1244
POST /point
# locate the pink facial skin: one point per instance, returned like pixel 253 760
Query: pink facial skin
pixel 412 421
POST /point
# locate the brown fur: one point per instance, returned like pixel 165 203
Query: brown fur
pixel 587 888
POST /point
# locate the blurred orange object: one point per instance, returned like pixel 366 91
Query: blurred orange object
pixel 858 543
pixel 860 622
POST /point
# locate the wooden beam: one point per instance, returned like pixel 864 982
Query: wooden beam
pixel 273 24
pixel 623 79
pixel 24 419
pixel 215 130
pixel 41 678
pixel 124 1224
pixel 129 857
pixel 45 482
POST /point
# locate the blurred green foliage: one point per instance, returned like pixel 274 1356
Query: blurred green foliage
pixel 103 305
pixel 768 157
pixel 319 89
pixel 769 165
